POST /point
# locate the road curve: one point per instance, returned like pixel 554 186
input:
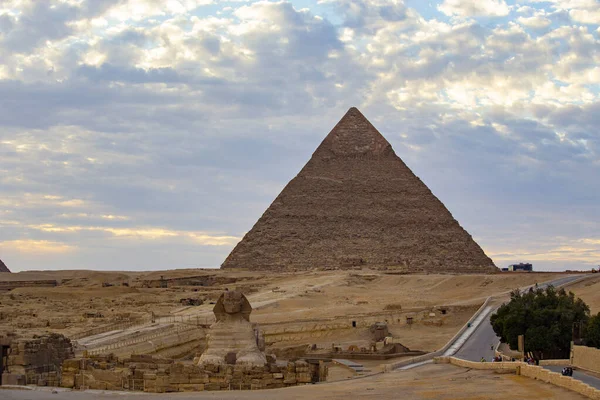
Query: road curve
pixel 481 342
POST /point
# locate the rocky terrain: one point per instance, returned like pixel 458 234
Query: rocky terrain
pixel 292 308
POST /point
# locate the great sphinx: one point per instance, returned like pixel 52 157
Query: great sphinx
pixel 231 339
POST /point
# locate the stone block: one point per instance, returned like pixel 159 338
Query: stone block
pixel 289 378
pixel 211 367
pixel 72 364
pixel 171 388
pixel 13 379
pixel 179 378
pixel 67 380
pixel 303 377
pixel 278 375
pixel 212 386
pixel 191 387
pixel 162 380
pixel 150 386
pixel 196 379
pixel 18 359
pixel 274 368
pixel 217 379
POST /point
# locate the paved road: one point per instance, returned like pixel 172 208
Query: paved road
pixel 579 375
pixel 480 343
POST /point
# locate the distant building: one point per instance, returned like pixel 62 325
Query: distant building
pixel 527 267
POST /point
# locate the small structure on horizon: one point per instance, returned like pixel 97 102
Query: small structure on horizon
pixel 527 267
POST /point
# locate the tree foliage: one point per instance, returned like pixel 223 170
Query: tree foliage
pixel 545 317
pixel 592 332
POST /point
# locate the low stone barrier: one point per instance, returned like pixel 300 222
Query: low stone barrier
pixel 557 379
pixel 586 358
pixel 121 325
pixel 495 366
pixel 182 333
pixel 530 371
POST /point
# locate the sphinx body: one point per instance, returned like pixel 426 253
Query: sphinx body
pixel 232 333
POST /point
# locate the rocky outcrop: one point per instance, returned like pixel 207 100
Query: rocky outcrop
pixel 3 267
pixel 355 203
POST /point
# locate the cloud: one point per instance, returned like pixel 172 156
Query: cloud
pixel 39 247
pixel 156 134
pixel 468 8
pixel 580 11
pixel 535 22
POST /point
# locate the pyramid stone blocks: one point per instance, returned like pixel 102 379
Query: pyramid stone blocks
pixel 355 203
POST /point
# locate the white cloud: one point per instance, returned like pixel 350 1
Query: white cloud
pixel 469 8
pixel 536 22
pixel 581 11
pixel 586 16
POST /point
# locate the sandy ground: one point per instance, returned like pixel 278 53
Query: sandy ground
pixel 589 291
pixel 443 382
pixel 276 298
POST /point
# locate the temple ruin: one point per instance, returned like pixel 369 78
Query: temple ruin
pixel 355 203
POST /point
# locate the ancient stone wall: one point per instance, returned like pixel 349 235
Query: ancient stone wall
pixel 586 358
pixel 10 285
pixel 330 327
pixel 200 280
pixel 33 359
pixel 148 374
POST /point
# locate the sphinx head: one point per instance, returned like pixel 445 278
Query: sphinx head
pixel 232 303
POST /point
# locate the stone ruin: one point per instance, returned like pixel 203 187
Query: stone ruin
pixel 354 204
pixel 36 360
pixel 233 360
pixel 232 339
pixel 145 373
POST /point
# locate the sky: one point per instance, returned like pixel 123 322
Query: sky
pixel 151 134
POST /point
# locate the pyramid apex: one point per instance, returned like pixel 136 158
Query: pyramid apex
pixel 354 135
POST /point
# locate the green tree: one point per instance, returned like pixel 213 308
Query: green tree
pixel 592 332
pixel 545 317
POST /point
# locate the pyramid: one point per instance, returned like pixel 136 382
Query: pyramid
pixel 3 267
pixel 355 203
